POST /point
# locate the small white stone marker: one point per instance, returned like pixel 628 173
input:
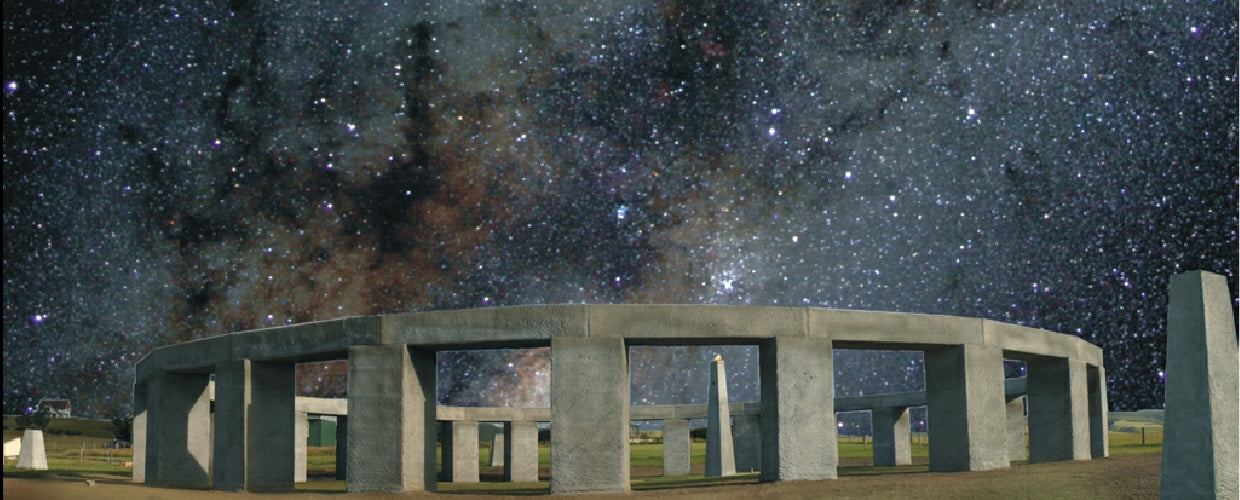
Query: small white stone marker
pixel 33 455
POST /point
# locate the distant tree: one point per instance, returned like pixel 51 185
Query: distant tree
pixel 122 428
pixel 37 421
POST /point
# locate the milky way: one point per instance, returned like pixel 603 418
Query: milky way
pixel 179 170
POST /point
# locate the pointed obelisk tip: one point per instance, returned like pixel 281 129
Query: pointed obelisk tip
pixel 718 358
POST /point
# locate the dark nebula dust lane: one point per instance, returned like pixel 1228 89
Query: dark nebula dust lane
pixel 176 170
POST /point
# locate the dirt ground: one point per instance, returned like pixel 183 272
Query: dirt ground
pixel 1135 476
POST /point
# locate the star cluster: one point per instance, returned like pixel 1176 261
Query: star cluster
pixel 177 170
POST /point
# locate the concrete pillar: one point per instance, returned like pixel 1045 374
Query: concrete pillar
pixel 32 454
pixel 1017 429
pixel 178 429
pixel 459 440
pixel 1200 433
pixel 498 450
pixel 964 396
pixel 798 409
pixel 747 440
pixel 342 447
pixel 140 428
pixel 301 434
pixel 720 456
pixel 521 453
pixel 232 405
pixel 1058 413
pixel 1099 434
pixel 677 447
pixel 269 434
pixel 589 415
pixel 391 419
pixel 891 437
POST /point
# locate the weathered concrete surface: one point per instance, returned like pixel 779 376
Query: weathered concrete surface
pixel 885 330
pixel 194 356
pixel 391 419
pixel 459 440
pixel 747 441
pixel 301 432
pixel 1099 436
pixel 676 447
pixel 142 444
pixel 689 325
pixel 589 415
pixel 232 406
pixel 1058 410
pixel 966 408
pixel 1017 429
pixel 1019 342
pixel 891 437
pixel 720 455
pixel 521 455
pixel 541 325
pixel 269 427
pixel 798 423
pixel 316 341
pixel 323 406
pixel 498 450
pixel 1200 433
pixel 32 454
pixel 500 327
pixel 342 447
pixel 178 424
pixel 478 414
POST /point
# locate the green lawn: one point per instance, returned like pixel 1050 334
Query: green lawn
pixel 84 455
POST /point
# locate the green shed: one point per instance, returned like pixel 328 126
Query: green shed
pixel 322 431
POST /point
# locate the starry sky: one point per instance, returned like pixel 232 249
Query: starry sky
pixel 182 169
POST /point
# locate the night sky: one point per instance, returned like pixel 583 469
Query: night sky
pixel 178 170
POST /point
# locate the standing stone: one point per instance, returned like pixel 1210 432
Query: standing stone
pixel 342 447
pixel 964 393
pixel 521 453
pixel 301 434
pixel 497 449
pixel 720 457
pixel 178 430
pixel 460 451
pixel 1199 444
pixel 270 439
pixel 32 455
pixel 589 415
pixel 747 439
pixel 232 410
pixel 1058 410
pixel 1099 439
pixel 1017 429
pixel 798 409
pixel 391 419
pixel 140 436
pixel 676 447
pixel 891 436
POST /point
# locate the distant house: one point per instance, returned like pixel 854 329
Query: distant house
pixel 56 408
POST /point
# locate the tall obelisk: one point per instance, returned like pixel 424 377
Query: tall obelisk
pixel 720 460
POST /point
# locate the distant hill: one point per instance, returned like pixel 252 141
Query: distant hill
pixel 1133 421
pixel 88 427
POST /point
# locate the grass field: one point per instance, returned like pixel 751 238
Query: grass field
pixel 84 456
pixel 83 452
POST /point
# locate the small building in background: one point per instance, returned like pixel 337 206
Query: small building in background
pixel 56 408
pixel 322 431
